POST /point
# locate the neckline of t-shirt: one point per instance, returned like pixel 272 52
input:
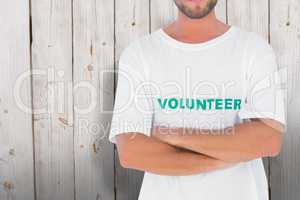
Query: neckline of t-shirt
pixel 186 45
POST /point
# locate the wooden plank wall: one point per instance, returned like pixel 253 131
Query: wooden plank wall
pixel 16 141
pixel 51 48
pixel 285 38
pixel 61 150
pixel 93 78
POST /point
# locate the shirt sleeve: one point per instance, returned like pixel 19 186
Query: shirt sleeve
pixel 265 87
pixel 133 109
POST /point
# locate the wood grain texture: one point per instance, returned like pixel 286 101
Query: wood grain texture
pixel 285 38
pixel 76 45
pixel 94 78
pixel 52 98
pixel 221 10
pixel 251 15
pixel 162 13
pixel 132 21
pixel 16 146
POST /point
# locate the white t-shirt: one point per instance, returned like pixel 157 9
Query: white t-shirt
pixel 210 85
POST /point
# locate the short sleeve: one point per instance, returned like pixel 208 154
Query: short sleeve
pixel 133 110
pixel 265 87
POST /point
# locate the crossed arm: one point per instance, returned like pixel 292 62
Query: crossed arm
pixel 243 142
pixel 182 153
pixel 137 151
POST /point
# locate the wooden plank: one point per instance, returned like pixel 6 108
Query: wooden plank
pixel 162 13
pixel 52 98
pixel 285 38
pixel 93 67
pixel 132 21
pixel 221 10
pixel 16 146
pixel 251 15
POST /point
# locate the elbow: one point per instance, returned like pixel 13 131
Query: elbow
pixel 126 151
pixel 275 150
pixel 274 145
pixel 125 160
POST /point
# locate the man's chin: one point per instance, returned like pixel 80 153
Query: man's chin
pixel 195 15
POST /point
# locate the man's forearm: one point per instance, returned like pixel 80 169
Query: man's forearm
pixel 143 153
pixel 243 142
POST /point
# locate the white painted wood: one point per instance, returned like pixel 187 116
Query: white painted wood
pixel 93 66
pixel 221 10
pixel 251 15
pixel 16 147
pixel 53 126
pixel 285 38
pixel 162 13
pixel 74 163
pixel 132 21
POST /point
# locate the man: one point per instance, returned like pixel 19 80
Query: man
pixel 196 108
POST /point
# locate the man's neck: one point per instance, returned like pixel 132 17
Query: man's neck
pixel 196 30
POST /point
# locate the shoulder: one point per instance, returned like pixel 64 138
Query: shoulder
pixel 255 42
pixel 259 56
pixel 256 48
pixel 132 58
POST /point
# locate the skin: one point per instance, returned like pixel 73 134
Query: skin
pixel 243 142
pixel 137 151
pixel 195 10
pixel 178 154
pixel 189 30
